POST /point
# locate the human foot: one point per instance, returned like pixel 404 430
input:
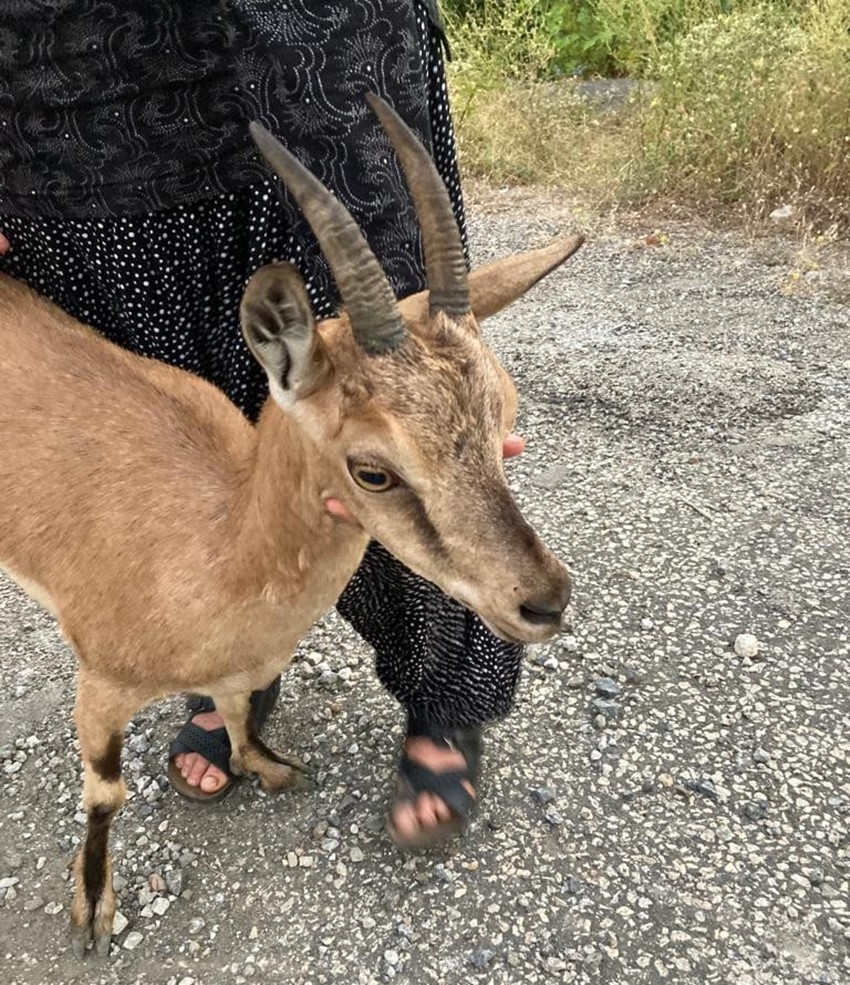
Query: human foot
pixel 199 757
pixel 435 788
pixel 197 771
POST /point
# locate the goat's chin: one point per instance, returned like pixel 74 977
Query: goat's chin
pixel 520 634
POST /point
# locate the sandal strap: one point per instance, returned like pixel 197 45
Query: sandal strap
pixel 213 745
pixel 197 703
pixel 447 785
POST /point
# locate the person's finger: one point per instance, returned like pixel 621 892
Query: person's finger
pixel 4 244
pixel 337 508
pixel 513 445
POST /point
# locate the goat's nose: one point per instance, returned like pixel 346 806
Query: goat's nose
pixel 546 610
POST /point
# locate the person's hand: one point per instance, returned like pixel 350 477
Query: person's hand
pixel 512 446
pixel 4 244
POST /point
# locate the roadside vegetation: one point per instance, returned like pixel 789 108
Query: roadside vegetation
pixel 743 104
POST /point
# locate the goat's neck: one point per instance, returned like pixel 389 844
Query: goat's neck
pixel 286 540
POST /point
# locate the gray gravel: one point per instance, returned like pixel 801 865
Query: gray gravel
pixel 670 800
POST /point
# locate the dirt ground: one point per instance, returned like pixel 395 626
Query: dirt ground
pixel 662 805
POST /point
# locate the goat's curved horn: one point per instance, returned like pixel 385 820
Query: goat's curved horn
pixel 363 286
pixel 445 264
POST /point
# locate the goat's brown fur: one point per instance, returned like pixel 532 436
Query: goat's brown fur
pixel 182 549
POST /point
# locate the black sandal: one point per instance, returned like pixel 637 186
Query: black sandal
pixel 415 779
pixel 213 745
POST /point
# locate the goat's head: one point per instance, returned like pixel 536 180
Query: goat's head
pixel 406 402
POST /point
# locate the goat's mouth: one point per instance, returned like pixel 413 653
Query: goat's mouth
pixel 525 628
pixel 536 620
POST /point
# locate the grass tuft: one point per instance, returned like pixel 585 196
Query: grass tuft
pixel 742 105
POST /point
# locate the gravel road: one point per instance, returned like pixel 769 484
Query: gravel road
pixel 670 800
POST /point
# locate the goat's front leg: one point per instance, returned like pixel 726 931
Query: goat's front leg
pixel 249 754
pixel 101 714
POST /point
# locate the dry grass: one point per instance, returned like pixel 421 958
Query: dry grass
pixel 543 134
pixel 743 112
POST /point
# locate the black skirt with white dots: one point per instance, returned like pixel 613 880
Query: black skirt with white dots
pixel 167 283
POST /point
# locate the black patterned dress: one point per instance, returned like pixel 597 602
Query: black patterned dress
pixel 134 200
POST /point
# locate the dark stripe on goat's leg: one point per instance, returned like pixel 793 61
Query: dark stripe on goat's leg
pixel 102 710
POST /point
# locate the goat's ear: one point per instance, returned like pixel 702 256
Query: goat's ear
pixel 497 284
pixel 280 329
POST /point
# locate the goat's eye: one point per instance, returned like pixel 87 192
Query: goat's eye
pixel 373 479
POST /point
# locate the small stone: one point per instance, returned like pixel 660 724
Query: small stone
pixel 138 743
pixel 575 682
pixel 610 709
pixel 783 213
pixel 53 908
pixel 606 687
pixel 633 675
pixel 36 903
pixel 196 925
pixel 746 645
pixel 599 722
pixel 552 816
pixel 761 756
pixel 133 939
pixel 703 787
pixel 306 862
pixel 174 881
pixel 724 834
pixel 544 795
pixel 482 957
pixel 815 876
pixel 551 663
pixel 569 644
pixel 156 883
pixel 367 923
pixel 160 906
pixel 356 854
pixel 755 810
pixel 647 623
pixel 119 923
pixel 391 957
pixel 9 881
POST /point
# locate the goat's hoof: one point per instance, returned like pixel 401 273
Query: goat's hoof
pixel 102 943
pixel 287 759
pixel 236 767
pixel 80 937
pixel 91 929
pixel 276 777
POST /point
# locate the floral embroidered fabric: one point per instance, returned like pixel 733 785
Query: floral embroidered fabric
pixel 124 108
